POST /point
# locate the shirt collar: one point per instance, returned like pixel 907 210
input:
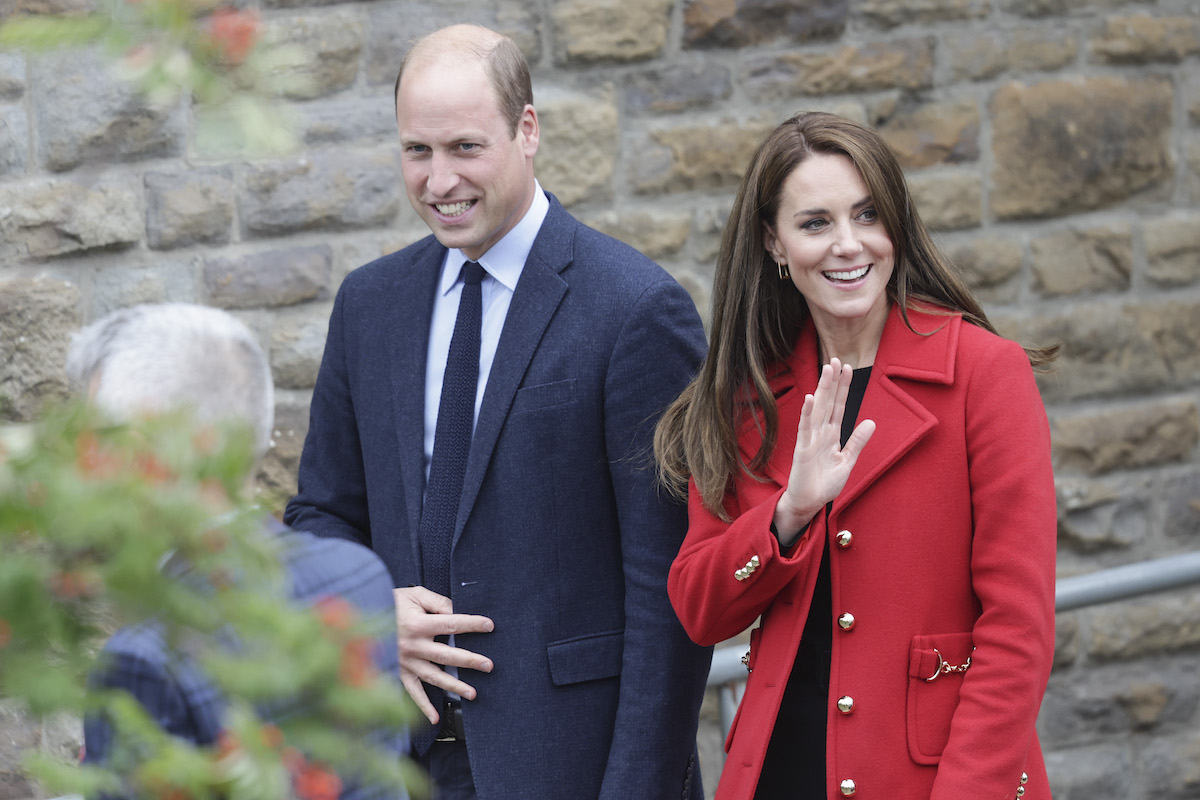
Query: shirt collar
pixel 506 258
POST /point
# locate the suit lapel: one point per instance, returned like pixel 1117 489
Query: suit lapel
pixel 901 420
pixel 407 348
pixel 539 292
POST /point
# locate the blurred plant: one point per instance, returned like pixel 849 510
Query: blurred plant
pixel 102 525
pixel 170 49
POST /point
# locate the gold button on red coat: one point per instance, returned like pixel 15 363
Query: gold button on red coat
pixel 845 704
pixel 844 538
pixel 848 788
pixel 846 621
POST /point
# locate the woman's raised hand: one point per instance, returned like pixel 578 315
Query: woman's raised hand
pixel 820 465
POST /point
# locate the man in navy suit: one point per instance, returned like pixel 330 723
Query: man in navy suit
pixel 156 358
pixel 566 674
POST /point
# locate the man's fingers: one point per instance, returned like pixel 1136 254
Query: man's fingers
pixel 412 685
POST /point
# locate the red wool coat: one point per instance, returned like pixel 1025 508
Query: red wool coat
pixel 942 543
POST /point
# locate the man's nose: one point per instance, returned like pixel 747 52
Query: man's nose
pixel 443 176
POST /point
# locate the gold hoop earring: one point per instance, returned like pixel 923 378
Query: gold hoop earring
pixel 784 273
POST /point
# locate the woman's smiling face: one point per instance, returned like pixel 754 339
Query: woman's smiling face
pixel 837 250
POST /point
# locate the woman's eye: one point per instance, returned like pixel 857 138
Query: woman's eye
pixel 813 225
pixel 869 215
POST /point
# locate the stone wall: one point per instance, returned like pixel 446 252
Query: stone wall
pixel 1053 144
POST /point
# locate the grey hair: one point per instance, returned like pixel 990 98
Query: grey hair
pixel 153 358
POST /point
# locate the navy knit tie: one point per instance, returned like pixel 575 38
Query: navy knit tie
pixel 452 436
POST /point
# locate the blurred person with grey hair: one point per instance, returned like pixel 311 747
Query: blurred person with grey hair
pixel 158 358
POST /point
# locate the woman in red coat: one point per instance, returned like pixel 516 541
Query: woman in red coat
pixel 868 474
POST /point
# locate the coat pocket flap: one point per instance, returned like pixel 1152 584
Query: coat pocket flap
pixel 586 658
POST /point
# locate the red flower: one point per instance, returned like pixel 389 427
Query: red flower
pixel 335 612
pixel 92 459
pixel 316 783
pixel 234 32
pixel 69 585
pixel 151 469
pixel 357 668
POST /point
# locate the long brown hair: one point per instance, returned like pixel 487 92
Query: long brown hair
pixel 756 317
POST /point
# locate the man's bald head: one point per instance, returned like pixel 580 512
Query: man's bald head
pixel 503 61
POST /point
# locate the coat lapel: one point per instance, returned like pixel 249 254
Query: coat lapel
pixel 407 348
pixel 539 292
pixel 901 420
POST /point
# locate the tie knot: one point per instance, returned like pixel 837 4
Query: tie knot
pixel 472 273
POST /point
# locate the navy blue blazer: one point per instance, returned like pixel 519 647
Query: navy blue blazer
pixel 563 537
pixel 185 703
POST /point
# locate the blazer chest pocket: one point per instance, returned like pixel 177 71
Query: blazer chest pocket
pixel 544 396
pixel 586 658
pixel 936 665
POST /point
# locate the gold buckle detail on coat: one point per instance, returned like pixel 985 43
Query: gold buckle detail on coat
pixel 945 669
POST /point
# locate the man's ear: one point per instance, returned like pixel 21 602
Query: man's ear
pixel 529 131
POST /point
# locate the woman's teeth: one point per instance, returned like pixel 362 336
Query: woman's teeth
pixel 852 275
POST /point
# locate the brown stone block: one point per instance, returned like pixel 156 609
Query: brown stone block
pixel 1066 146
pixel 988 265
pixel 690 157
pixel 1172 765
pixel 9 8
pixel 86 115
pixel 1140 39
pixel 48 218
pixel 678 87
pixel 342 189
pixel 1104 521
pixel 1067 643
pixel 1082 260
pixel 742 23
pixel 891 64
pixel 1192 154
pixel 1034 49
pixel 187 208
pixel 1147 434
pixel 657 234
pixel 37 317
pixel 618 30
pixel 893 13
pixel 330 45
pixel 577 152
pixel 975 56
pixel 276 479
pixel 1167 624
pixel 1054 8
pixel 948 201
pixel 273 278
pixel 933 133
pixel 1173 249
pixel 297 344
pixel 1110 349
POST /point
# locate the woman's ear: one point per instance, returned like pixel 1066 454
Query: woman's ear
pixel 771 243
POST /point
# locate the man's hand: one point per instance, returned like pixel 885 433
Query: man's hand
pixel 422 615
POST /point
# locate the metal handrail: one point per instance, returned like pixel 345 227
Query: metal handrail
pixel 1077 591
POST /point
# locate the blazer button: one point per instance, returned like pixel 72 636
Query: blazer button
pixel 1024 778
pixel 846 621
pixel 848 788
pixel 1020 791
pixel 845 704
pixel 844 538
